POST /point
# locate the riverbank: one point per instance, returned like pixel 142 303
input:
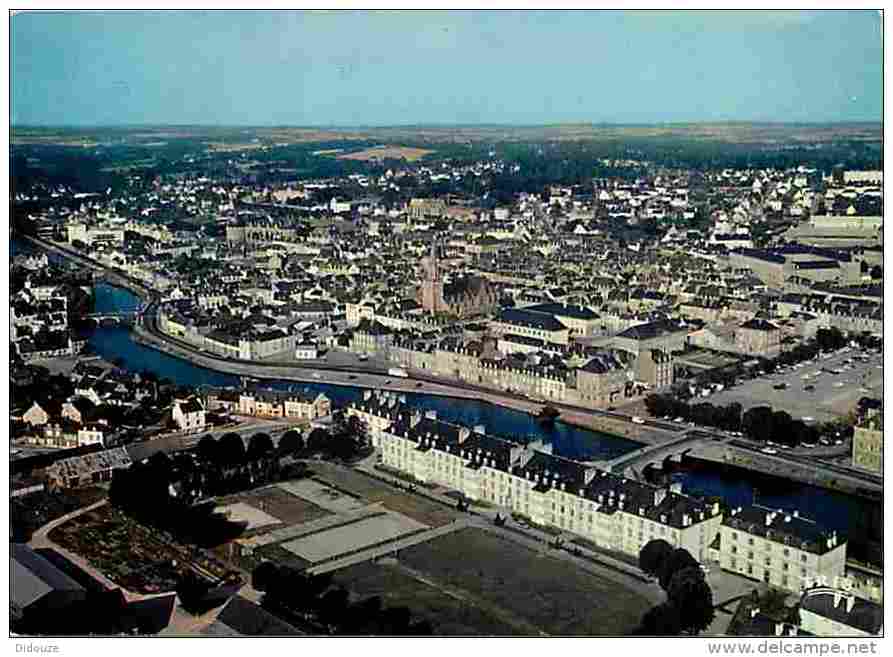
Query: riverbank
pixel 811 474
pixel 382 381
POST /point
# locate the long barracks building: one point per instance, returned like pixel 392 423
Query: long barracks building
pixel 614 512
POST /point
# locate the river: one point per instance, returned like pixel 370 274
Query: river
pixel 566 440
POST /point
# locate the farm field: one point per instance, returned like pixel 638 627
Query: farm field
pixel 383 152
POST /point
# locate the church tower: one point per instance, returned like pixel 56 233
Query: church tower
pixel 432 282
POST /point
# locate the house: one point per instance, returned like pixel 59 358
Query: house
pixel 91 434
pixel 36 416
pixel 188 414
pixel 79 410
pixel 306 351
pixel 758 337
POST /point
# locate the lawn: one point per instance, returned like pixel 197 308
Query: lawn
pixel 372 490
pixel 451 612
pixel 533 591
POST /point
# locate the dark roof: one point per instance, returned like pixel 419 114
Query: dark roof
pixel 530 319
pixel 563 310
pixel 651 330
pixel 241 617
pixel 784 528
pixel 602 363
pixel 191 405
pixel 32 577
pixel 759 325
pixel 864 615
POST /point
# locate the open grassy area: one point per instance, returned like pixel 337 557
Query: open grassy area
pixel 451 611
pixel 530 590
pixel 372 490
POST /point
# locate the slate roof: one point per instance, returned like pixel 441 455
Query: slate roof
pixel 865 615
pixel 530 319
pixel 32 577
pixel 563 310
pixel 786 529
pixel 241 617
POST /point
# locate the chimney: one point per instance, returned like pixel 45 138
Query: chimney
pixel 796 513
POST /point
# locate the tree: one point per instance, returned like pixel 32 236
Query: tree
pixel 678 560
pixel 691 594
pixel 318 440
pixel 653 555
pixel 757 422
pixel 264 574
pixel 207 448
pixel 661 620
pixel 291 442
pixel 232 449
pixel 260 445
pixel 781 424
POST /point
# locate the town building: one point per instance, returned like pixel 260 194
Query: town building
pixel 868 444
pixel 188 414
pixel 833 612
pixel 780 549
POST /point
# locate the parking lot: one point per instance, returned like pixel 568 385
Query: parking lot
pixel 812 391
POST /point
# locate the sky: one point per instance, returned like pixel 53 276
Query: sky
pixel 368 68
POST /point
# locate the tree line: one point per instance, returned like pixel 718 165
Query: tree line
pixel 313 600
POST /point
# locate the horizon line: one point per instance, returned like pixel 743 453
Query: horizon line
pixel 443 126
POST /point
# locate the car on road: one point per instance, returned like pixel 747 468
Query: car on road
pixel 637 420
pixel 352 377
pixel 809 388
pixel 769 450
pixel 316 375
pixel 679 420
pixel 780 386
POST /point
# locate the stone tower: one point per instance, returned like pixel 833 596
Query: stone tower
pixel 432 283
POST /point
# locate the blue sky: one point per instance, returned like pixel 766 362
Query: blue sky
pixel 444 67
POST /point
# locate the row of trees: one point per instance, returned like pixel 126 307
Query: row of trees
pixel 757 423
pixel 688 608
pixel 312 599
